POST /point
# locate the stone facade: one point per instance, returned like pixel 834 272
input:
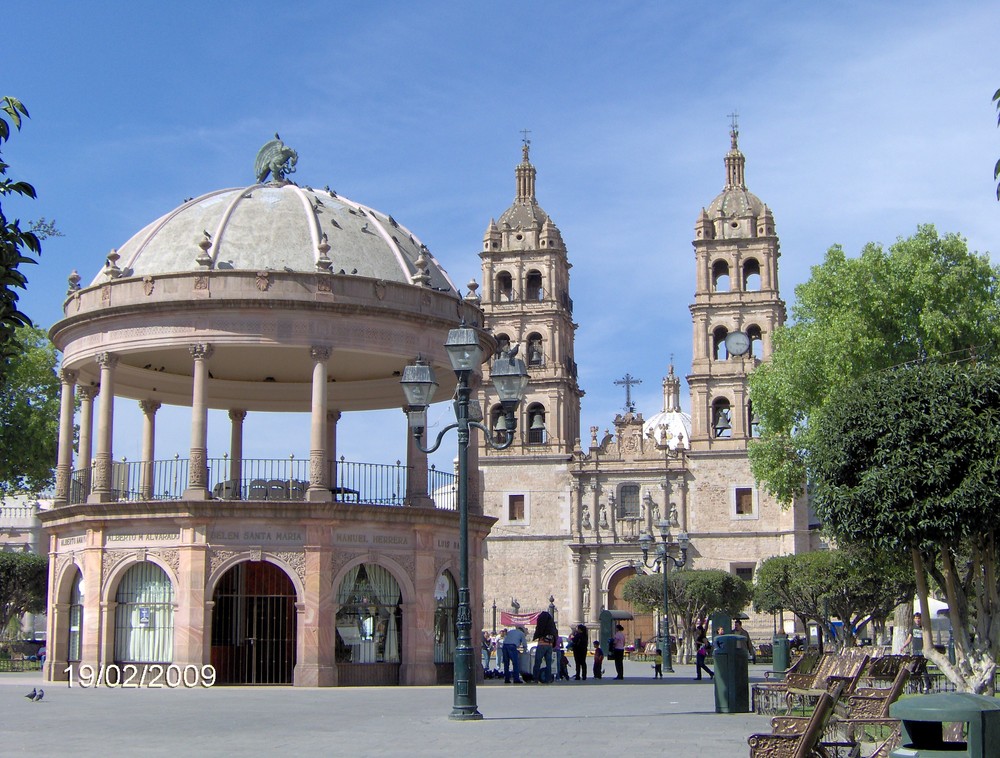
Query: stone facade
pixel 569 517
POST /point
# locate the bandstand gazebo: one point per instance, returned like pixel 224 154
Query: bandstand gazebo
pixel 273 297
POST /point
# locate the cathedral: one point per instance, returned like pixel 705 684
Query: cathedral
pixel 571 518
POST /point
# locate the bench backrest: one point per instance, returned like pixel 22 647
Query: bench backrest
pixel 816 726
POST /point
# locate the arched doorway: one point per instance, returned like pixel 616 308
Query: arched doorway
pixel 369 627
pixel 253 625
pixel 642 625
pixel 144 616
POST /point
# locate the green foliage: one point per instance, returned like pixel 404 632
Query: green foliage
pixel 855 586
pixel 23 585
pixel 16 245
pixel 926 296
pixel 907 461
pixel 694 594
pixel 996 169
pixel 29 415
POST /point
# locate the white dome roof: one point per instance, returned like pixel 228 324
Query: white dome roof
pixel 279 227
pixel 671 425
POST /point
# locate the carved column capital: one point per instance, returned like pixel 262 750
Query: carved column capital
pixel 68 376
pixel 237 415
pixel 89 392
pixel 319 353
pixel 149 407
pixel 333 416
pixel 106 360
pixel 201 351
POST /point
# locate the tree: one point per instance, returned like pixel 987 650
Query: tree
pixel 907 462
pixel 996 169
pixel 23 583
pixel 29 415
pixel 926 296
pixel 694 594
pixel 856 586
pixel 16 244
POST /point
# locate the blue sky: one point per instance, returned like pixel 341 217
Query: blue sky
pixel 859 122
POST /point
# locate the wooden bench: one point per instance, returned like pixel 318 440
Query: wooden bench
pixel 845 671
pixel 769 697
pixel 795 738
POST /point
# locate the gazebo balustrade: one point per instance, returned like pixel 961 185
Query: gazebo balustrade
pixel 274 479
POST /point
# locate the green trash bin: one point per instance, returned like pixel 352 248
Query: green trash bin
pixel 732 677
pixel 922 725
pixel 779 654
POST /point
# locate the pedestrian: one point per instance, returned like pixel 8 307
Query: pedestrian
pixel 580 645
pixel 598 660
pixel 658 664
pixel 563 665
pixel 545 635
pixel 915 641
pixel 701 653
pixel 618 651
pixel 512 644
pixel 738 629
pixel 487 646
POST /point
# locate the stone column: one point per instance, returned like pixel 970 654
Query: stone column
pixel 105 426
pixel 64 464
pixel 236 418
pixel 92 633
pixel 596 591
pixel 416 472
pixel 316 640
pixel 575 606
pixel 332 417
pixel 319 473
pixel 190 618
pixel 149 409
pixel 86 445
pixel 197 488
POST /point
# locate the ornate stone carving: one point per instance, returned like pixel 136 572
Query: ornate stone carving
pixel 89 392
pixel 169 556
pixel 102 472
pixel 340 558
pixel 61 564
pixel 380 289
pixel 198 472
pixel 256 553
pixel 604 517
pixel 201 282
pixel 218 557
pixel 106 360
pixel 201 351
pixel 106 294
pixel 62 483
pixel 324 283
pixel 406 561
pixel 586 595
pixel 586 517
pixel 237 414
pixel 295 560
pixel 263 280
pixel 148 284
pixel 68 376
pixel 110 559
pixel 149 407
pixel 318 468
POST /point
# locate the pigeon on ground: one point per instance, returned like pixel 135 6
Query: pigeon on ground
pixel 39 696
pixel 31 695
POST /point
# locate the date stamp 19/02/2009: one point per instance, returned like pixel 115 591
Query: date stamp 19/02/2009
pixel 133 676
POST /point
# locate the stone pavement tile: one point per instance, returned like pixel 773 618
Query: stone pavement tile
pixel 675 716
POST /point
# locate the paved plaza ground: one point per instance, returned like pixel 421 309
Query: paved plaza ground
pixel 637 716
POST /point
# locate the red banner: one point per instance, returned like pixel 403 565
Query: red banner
pixel 518 619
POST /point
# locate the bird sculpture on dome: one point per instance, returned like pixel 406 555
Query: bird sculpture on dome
pixel 276 159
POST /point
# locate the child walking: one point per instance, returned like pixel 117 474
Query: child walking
pixel 658 664
pixel 598 660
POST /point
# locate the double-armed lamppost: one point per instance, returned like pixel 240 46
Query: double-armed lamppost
pixel 510 378
pixel 663 554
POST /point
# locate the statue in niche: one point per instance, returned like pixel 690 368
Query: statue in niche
pixel 586 517
pixel 604 517
pixel 586 596
pixel 673 516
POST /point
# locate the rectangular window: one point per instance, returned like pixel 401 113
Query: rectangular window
pixel 629 501
pixel 515 507
pixel 743 502
pixel 744 572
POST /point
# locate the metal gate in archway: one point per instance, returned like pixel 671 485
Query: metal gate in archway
pixel 253 625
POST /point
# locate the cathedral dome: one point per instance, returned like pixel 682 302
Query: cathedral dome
pixel 736 202
pixel 525 212
pixel 277 226
pixel 671 425
pixel 735 212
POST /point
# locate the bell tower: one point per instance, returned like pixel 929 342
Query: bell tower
pixel 736 308
pixel 527 305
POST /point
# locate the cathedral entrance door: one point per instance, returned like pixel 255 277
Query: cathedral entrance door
pixel 642 624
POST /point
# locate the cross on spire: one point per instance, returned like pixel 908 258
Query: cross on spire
pixel 628 381
pixel 525 142
pixel 734 127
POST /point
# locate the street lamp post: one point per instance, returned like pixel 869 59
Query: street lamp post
pixel 660 564
pixel 510 378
